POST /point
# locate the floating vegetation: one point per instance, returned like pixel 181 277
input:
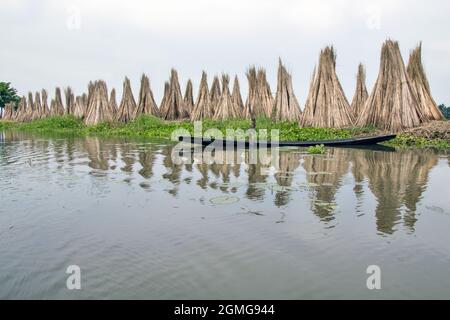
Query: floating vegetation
pixel 319 149
pixel 224 200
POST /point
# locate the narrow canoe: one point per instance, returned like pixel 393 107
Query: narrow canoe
pixel 361 141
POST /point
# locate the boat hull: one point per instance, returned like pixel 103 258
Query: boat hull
pixel 362 141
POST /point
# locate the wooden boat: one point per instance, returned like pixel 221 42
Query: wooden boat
pixel 361 141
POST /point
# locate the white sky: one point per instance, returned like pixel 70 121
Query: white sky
pixel 58 43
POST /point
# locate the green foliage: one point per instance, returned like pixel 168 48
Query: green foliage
pixel 7 94
pixel 445 111
pixel 410 141
pixel 148 126
pixel 318 149
pixel 52 124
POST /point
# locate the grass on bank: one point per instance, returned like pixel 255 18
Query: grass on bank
pixel 147 126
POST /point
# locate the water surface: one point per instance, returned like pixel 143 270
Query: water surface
pixel 140 226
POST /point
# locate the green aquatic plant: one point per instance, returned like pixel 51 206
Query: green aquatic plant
pixel 318 149
pixel 410 141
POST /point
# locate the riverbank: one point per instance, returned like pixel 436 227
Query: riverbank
pixel 432 135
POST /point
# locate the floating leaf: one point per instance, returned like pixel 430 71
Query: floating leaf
pixel 224 200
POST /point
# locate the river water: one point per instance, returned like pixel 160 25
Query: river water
pixel 140 226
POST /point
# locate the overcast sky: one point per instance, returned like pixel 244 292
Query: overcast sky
pixel 59 43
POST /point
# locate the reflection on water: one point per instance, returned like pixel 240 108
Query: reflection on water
pixel 382 190
pixel 396 179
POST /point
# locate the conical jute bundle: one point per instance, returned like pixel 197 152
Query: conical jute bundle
pixel 99 111
pixel 214 95
pixel 70 100
pixel 202 109
pixel 174 104
pixel 78 111
pixel 127 107
pixel 393 103
pixel 29 114
pixel 45 108
pixel 326 105
pixel 38 114
pixel 8 112
pixel 56 107
pixel 163 105
pixel 286 106
pixel 91 88
pixel 112 101
pixel 236 96
pixel 189 97
pixel 21 110
pixel 419 81
pixel 361 95
pixel 226 109
pixel 254 106
pixel 147 104
pixel 80 106
pixel 264 93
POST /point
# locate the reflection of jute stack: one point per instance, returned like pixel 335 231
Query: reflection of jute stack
pixel 396 179
pixel 96 153
pixel 174 171
pixel 288 163
pixel 324 176
pixel 147 159
pixel 225 164
pixel 127 156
